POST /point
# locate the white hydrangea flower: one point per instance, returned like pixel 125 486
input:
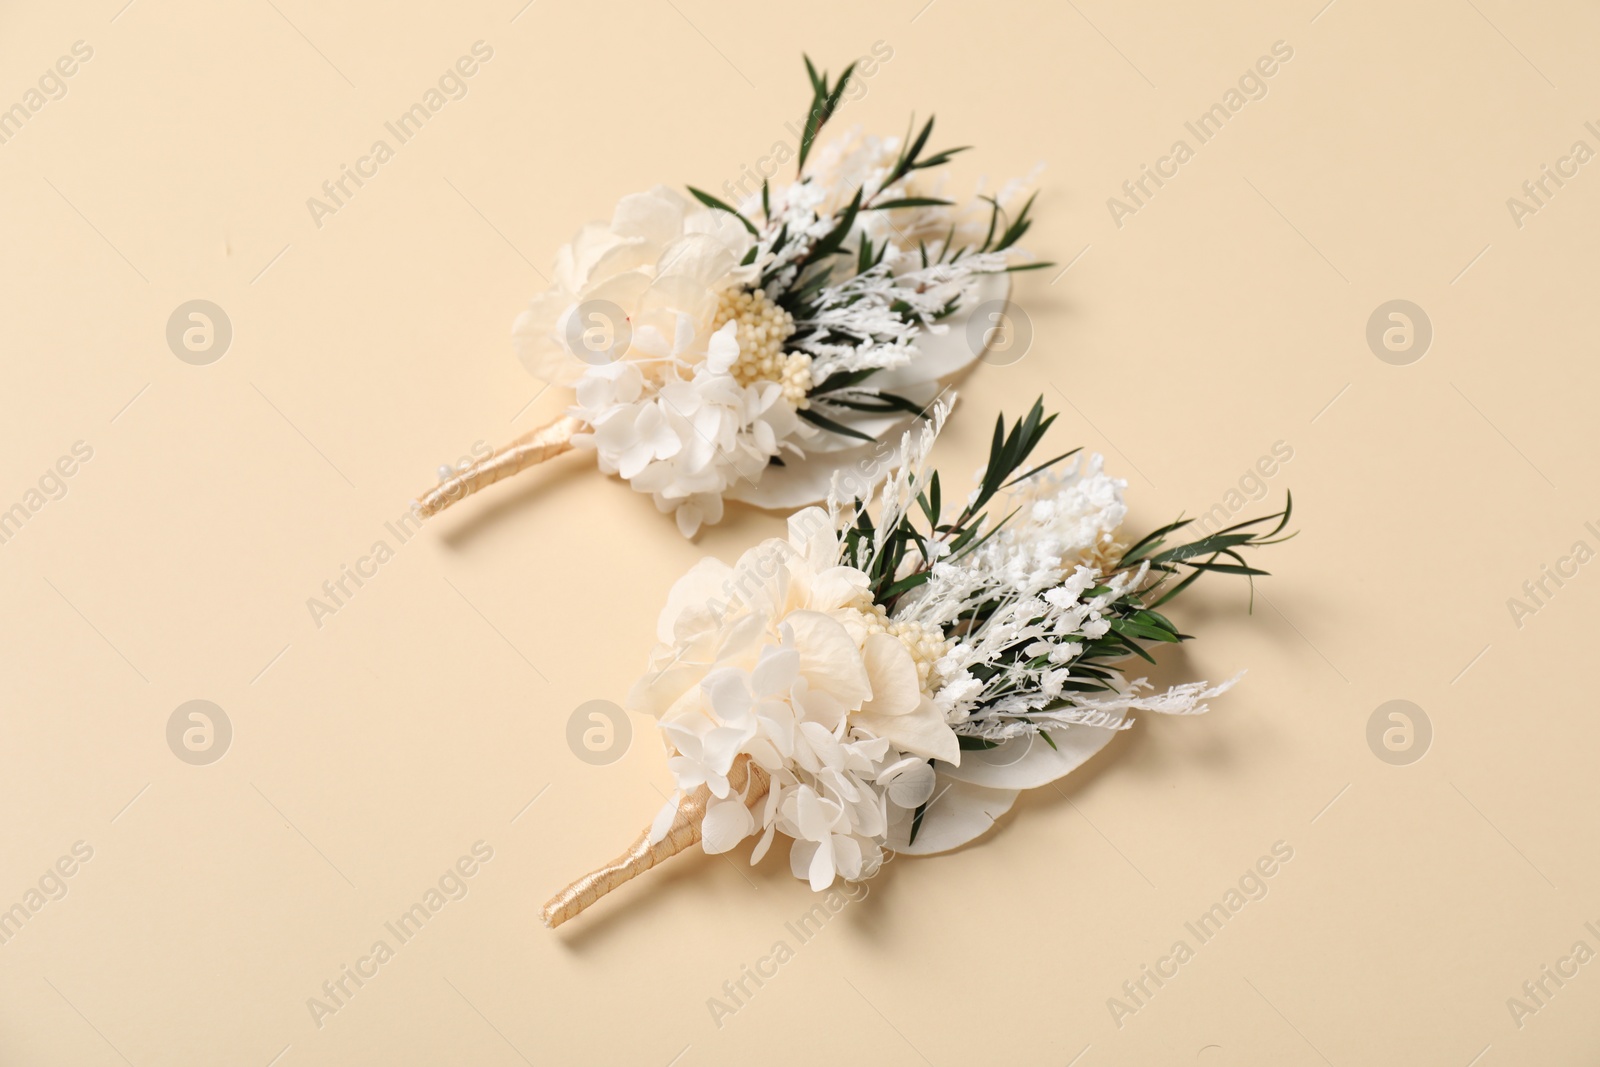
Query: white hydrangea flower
pixel 775 659
pixel 664 410
pixel 660 261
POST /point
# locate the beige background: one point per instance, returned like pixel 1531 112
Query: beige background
pixel 1228 314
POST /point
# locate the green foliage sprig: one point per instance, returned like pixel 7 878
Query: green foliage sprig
pixel 1135 622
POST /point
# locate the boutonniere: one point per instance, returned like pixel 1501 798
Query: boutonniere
pixel 888 680
pixel 745 351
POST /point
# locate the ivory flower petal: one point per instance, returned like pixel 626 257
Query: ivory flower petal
pixel 958 814
pixel 829 659
pixel 892 673
pixel 910 783
pixel 726 823
pixel 922 732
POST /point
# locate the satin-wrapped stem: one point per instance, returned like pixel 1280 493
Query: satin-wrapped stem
pixel 744 778
pixel 547 441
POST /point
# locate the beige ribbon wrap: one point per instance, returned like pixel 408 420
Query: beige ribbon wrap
pixel 642 855
pixel 541 444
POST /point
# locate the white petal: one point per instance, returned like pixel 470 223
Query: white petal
pixel 817 706
pixel 824 744
pixel 536 340
pixel 634 460
pixel 655 215
pixel 710 505
pixel 801 854
pixel 922 733
pixel 866 752
pixel 777 721
pixel 685 735
pixel 775 673
pixel 664 441
pixel 840 785
pixel 688 518
pixel 811 534
pixel 728 695
pixel 688 773
pixel 763 844
pixel 721 746
pixel 958 813
pixel 912 787
pixel 683 336
pixel 663 820
pixel 835 587
pixel 725 824
pixel 821 874
pixel 847 856
pixel 576 261
pixel 697 260
pixel 892 674
pixel 814 816
pixel 829 659
pixel 723 349
pixel 701 591
pixel 648 340
pixel 659 690
pixel 765 753
pixel 766 442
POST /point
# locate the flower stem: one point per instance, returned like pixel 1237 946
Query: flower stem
pixel 538 445
pixel 642 855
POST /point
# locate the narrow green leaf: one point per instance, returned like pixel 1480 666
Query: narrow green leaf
pixel 911 201
pixel 712 202
pixel 811 416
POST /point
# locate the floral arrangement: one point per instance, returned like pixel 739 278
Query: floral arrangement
pixel 744 352
pixel 891 682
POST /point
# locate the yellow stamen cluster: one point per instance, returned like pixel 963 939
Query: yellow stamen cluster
pixel 926 645
pixel 1106 553
pixel 762 329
